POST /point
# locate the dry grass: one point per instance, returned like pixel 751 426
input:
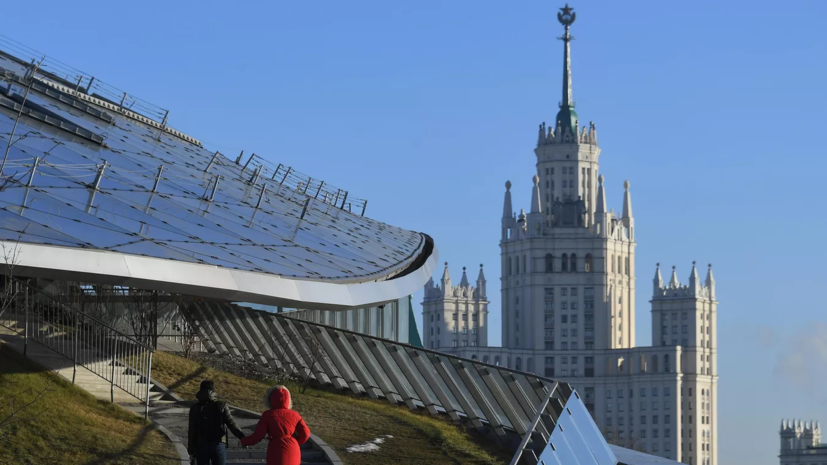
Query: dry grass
pixel 68 426
pixel 342 420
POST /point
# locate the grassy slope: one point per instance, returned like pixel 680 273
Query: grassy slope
pixel 68 426
pixel 340 420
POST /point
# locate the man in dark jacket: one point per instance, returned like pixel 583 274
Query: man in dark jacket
pixel 208 423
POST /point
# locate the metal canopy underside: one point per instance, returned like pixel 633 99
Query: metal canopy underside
pixel 274 229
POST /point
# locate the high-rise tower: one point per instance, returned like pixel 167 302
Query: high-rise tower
pixel 568 301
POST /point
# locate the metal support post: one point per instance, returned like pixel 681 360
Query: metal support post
pixel 212 162
pixel 304 210
pixel 214 188
pixel 364 207
pixel 254 177
pixel 101 169
pixel 123 100
pixel 276 172
pixel 309 180
pixel 89 87
pixel 158 178
pixel 238 160
pixel 289 169
pixel 248 161
pixel 164 122
pixel 26 329
pixel 261 197
pixel 112 380
pixel 148 379
pixel 319 190
pixel 34 170
pixel 344 200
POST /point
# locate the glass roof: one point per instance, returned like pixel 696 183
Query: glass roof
pixel 161 194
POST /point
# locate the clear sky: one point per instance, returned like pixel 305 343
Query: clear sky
pixel 714 111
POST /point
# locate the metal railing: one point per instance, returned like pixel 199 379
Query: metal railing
pixel 505 403
pixel 83 340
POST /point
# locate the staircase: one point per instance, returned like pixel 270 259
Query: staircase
pixel 174 417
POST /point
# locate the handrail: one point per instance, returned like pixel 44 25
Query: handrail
pixel 86 315
pixel 123 361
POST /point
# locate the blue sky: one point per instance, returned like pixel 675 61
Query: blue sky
pixel 712 110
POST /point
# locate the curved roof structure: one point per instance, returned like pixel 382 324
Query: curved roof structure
pixel 95 190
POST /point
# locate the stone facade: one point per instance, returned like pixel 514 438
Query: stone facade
pixel 455 316
pixel 568 305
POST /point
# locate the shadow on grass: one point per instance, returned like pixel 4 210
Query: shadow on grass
pixel 195 374
pixel 133 447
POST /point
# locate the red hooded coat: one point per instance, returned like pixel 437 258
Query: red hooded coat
pixel 285 428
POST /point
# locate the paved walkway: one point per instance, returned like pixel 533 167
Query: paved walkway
pixel 174 417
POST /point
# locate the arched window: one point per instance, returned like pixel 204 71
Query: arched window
pixel 573 263
pixel 565 263
pixel 473 356
pixel 484 359
pixel 619 264
pixel 497 360
pixel 643 363
pixel 525 264
pixel 587 267
pixel 612 259
pixel 627 266
pixel 666 363
pixel 654 364
pixel 549 263
pixel 519 364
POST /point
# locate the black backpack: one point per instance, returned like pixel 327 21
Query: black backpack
pixel 210 422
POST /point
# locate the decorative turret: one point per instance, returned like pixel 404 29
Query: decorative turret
pixel 481 284
pixel 464 281
pixel 446 280
pixel 694 281
pixel 673 282
pixel 710 282
pixel 535 196
pixel 658 281
pixel 508 211
pixel 600 219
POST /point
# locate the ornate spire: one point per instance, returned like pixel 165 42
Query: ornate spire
pixel 601 196
pixel 674 283
pixel 627 201
pixel 508 212
pixel 710 282
pixel 464 280
pixel 566 117
pixel 657 283
pixel 446 278
pixel 693 279
pixel 481 277
pixel 535 196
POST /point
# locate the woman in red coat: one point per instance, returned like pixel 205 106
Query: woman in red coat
pixel 284 427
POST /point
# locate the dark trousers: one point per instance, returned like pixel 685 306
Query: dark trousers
pixel 210 453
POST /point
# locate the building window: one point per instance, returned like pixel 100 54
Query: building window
pixel 564 306
pixel 573 262
pixel 574 317
pixel 549 263
pixel 453 343
pixel 564 346
pixel 574 306
pixel 564 263
pixel 587 266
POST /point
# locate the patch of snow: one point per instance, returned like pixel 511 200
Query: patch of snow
pixel 370 446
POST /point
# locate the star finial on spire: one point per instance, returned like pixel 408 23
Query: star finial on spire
pixel 566 15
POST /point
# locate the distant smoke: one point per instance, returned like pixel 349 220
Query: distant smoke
pixel 802 359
